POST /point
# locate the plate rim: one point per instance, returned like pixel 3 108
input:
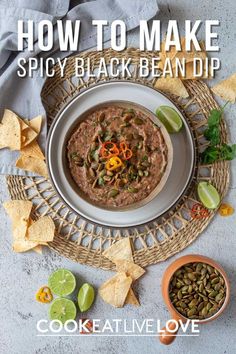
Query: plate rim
pixel 70 102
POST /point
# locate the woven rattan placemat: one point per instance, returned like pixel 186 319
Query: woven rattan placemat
pixel 83 242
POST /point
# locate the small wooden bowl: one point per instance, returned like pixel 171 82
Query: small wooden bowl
pixel 168 337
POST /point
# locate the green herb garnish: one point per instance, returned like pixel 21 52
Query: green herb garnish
pixel 219 153
pixel 215 152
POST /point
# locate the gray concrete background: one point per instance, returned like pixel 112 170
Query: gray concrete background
pixel 23 274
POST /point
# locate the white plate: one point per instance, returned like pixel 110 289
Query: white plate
pixel 183 159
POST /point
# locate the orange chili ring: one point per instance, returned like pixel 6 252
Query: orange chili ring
pixel 44 295
pixel 226 209
pixel 109 149
pixel 199 212
pixel 125 151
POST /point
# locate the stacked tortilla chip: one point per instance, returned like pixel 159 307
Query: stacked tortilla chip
pixel 226 89
pixel 174 85
pixel 117 291
pixel 28 234
pixel 19 134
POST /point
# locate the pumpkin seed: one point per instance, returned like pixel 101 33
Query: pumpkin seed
pixel 199 267
pixel 128 111
pixel 200 306
pixel 132 189
pixel 204 311
pixel 217 287
pixel 213 294
pixel 179 295
pixel 218 297
pixel 215 281
pixel 191 276
pixel 113 193
pixel 138 121
pixel 140 173
pixel 102 173
pixel 107 178
pixel 100 181
pixel 192 312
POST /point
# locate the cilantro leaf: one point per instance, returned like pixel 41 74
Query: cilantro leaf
pixel 213 135
pixel 214 153
pixel 210 155
pixel 214 118
pixel 227 152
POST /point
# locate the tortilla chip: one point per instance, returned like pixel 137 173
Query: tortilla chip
pixel 29 134
pixel 119 250
pixel 36 123
pixel 114 291
pixel 10 131
pixel 189 74
pixel 189 56
pixel 173 86
pixel 131 299
pixel 33 150
pixel 31 222
pixel 19 212
pixel 23 245
pixel 23 124
pixel 38 249
pixel 130 268
pixel 42 230
pixel 226 89
pixel 122 287
pixel 32 164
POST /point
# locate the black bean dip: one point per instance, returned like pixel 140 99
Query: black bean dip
pixel 117 156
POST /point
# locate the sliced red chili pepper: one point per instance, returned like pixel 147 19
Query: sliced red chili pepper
pixel 88 325
pixel 127 154
pixel 125 151
pixel 109 149
pixel 199 212
pixel 123 146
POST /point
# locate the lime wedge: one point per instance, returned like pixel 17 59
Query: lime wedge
pixel 208 195
pixel 62 282
pixel 62 310
pixel 170 118
pixel 85 297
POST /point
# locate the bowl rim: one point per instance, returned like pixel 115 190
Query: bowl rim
pixel 177 264
pixel 194 153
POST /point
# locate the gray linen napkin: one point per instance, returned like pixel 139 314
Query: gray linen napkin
pixel 22 95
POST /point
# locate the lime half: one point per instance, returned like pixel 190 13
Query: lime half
pixel 85 297
pixel 208 195
pixel 170 118
pixel 62 282
pixel 62 310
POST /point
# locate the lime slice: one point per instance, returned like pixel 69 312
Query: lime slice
pixel 62 310
pixel 62 282
pixel 208 195
pixel 170 118
pixel 85 297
